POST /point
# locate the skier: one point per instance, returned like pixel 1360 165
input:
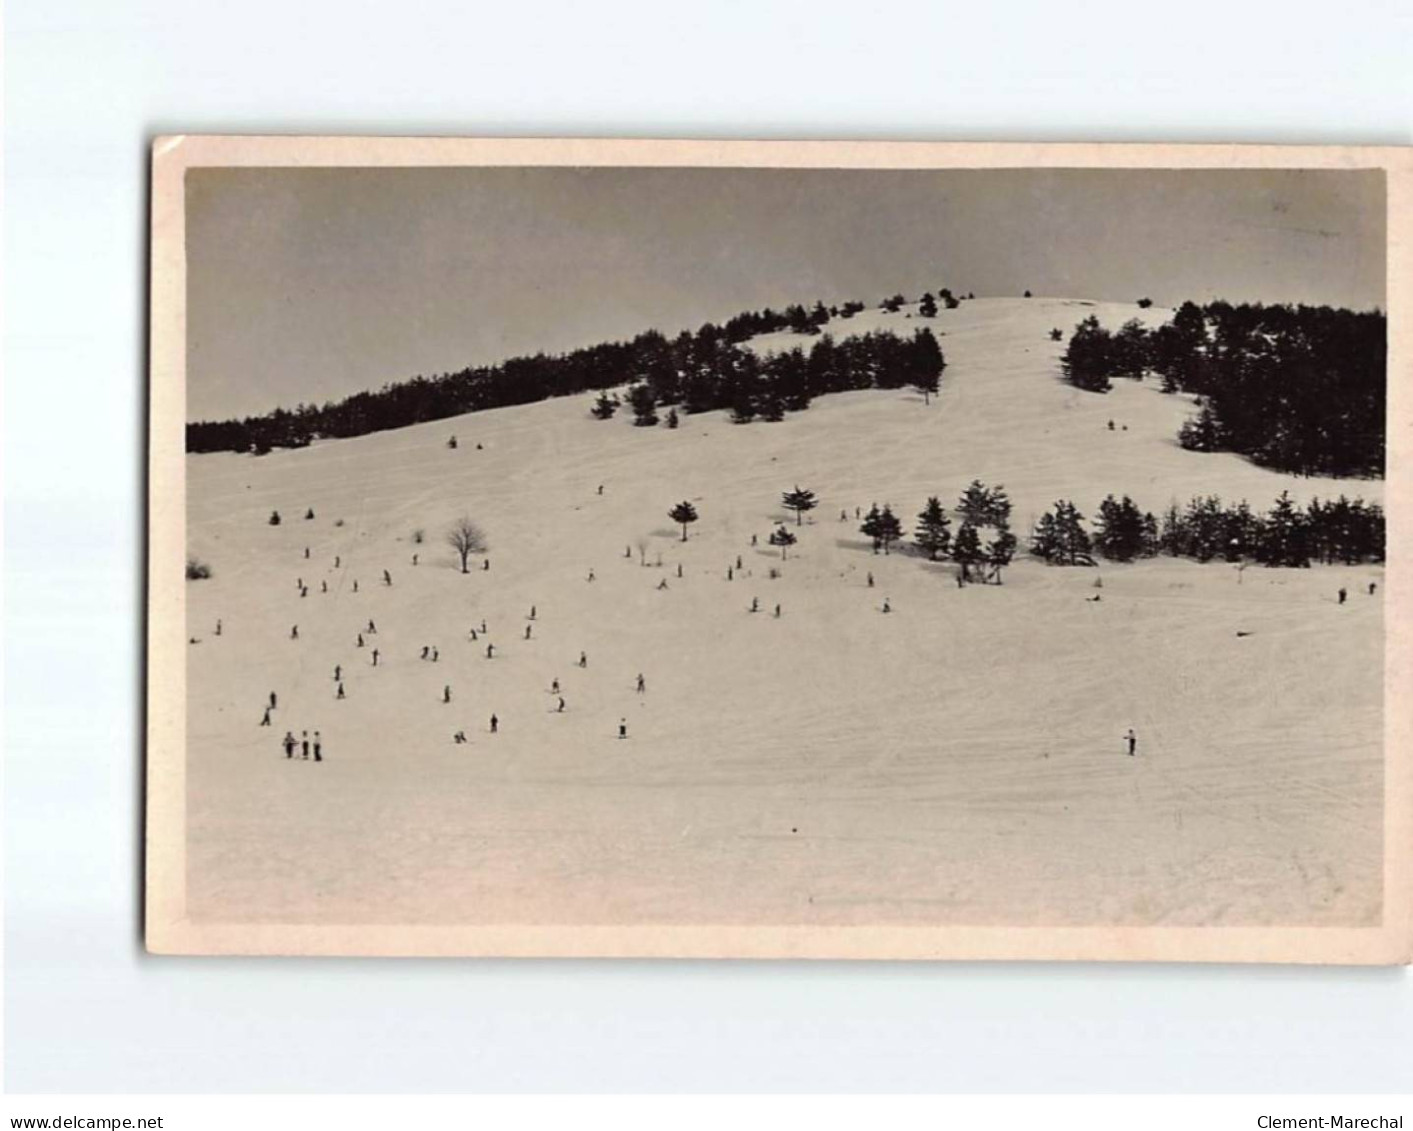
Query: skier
pixel 459 737
pixel 375 657
pixel 843 516
pixel 446 693
pixel 777 612
pixel 266 720
pixel 1132 740
pixel 372 628
pixel 338 672
pixel 304 591
pixel 360 640
pixel 294 632
pixel 425 651
pixel 532 612
pixel 435 655
pixel 1343 595
pixel 753 543
pixel 304 744
pixel 600 488
pixel 870 580
pixel 528 627
pixel 387 578
pixel 679 572
pixel 323 587
pixel 288 743
pixel 560 708
pixel 337 561
pixel 554 687
pixel 738 556
pixel 218 625
pixel 622 728
pixel 495 724
pixel 730 573
pixel 306 552
pixel 318 747
pixel 1111 426
pixel 591 573
pixel 642 683
pixel 473 635
pixel 1372 587
pixel 490 651
pixel 583 659
pixel 273 701
pixel 627 551
pixel 662 584
pixel 755 604
pixel 340 695
pixel 887 608
pixel 483 628
pixel 414 559
pixel 485 565
pixel 355 585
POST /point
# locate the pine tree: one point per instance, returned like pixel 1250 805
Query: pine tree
pixel 984 506
pixel 684 514
pixel 1060 538
pixel 966 549
pixel 927 308
pixel 926 363
pixel 889 528
pixel 799 501
pixel 782 538
pixel 872 526
pixel 1000 550
pixel 1088 358
pixel 1283 541
pixel 1122 533
pixel 933 529
pixel 644 405
pixel 604 407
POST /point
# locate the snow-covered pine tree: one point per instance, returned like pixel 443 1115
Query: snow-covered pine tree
pixel 782 537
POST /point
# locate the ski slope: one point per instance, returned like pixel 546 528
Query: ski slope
pixel 956 761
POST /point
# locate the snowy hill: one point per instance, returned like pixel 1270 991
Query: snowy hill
pixel 958 760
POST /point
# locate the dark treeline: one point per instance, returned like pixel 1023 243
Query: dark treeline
pixel 698 371
pixel 707 371
pixel 1341 532
pixel 1299 388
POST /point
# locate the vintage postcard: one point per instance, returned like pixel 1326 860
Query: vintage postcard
pixel 789 550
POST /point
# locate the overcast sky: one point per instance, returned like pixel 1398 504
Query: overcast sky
pixel 311 284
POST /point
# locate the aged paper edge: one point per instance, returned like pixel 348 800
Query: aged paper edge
pixel 168 931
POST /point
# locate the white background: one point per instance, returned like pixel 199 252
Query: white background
pixel 88 83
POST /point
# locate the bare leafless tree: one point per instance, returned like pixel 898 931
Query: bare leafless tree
pixel 465 538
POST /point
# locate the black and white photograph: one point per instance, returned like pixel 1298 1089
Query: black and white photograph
pixel 693 551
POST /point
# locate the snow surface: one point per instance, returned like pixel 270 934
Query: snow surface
pixel 958 761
